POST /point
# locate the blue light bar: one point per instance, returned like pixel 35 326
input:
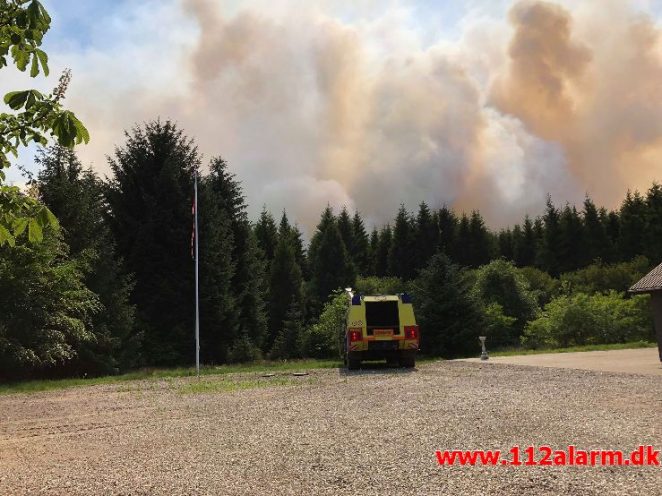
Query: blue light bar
pixel 406 298
pixel 356 299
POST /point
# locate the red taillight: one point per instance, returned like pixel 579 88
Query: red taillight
pixel 355 334
pixel 411 332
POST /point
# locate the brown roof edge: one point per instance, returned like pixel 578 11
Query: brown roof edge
pixel 649 283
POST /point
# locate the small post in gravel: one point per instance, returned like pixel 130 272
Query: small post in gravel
pixel 483 355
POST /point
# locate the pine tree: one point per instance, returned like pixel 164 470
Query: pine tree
pixel 506 243
pixel 360 248
pixel 383 249
pixel 289 342
pixel 450 320
pixel 653 234
pixel 551 240
pixel 401 254
pixel 219 318
pixel 480 245
pixel 266 235
pixel 249 282
pixel 344 223
pixel 596 241
pixel 426 236
pixel 284 288
pixel 75 196
pixel 526 246
pixel 372 252
pixel 150 218
pixel 331 267
pixel 632 226
pixel 571 251
pixel 448 225
pixel 460 251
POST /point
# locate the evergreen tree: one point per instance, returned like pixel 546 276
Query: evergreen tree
pixel 150 201
pixel 526 245
pixel 331 267
pixel 480 241
pixel 653 233
pixel 596 241
pixel 571 251
pixel 360 248
pixel 426 236
pixel 284 288
pixel 383 249
pixel 632 226
pixel 249 283
pixel 448 225
pixel 460 251
pixel 372 252
pixel 612 225
pixel 506 243
pixel 266 234
pixel 401 254
pixel 75 196
pixel 219 318
pixel 450 320
pixel 344 223
pixel 289 342
pixel 551 240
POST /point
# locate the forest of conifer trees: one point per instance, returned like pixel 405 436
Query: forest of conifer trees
pixel 111 288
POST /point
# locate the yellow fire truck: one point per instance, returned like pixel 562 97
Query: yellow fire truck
pixel 380 327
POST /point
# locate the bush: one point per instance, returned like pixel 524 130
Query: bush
pixel 499 328
pixel 322 339
pixel 243 350
pixel 541 285
pixel 580 319
pixel 379 285
pixel 600 278
pixel 501 283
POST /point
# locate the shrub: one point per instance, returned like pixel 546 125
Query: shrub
pixel 243 350
pixel 541 285
pixel 379 285
pixel 600 278
pixel 580 319
pixel 322 339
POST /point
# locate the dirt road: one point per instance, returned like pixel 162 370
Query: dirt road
pixel 371 432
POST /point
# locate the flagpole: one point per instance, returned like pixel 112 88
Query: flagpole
pixel 197 305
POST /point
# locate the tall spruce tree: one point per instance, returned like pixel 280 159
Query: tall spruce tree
pixel 331 267
pixel 551 240
pixel 285 288
pixel 448 224
pixel 450 320
pixel 360 248
pixel 75 196
pixel 526 245
pixel 401 254
pixel 249 282
pixel 383 249
pixel 266 234
pixel 426 236
pixel 480 244
pixel 653 234
pixel 150 218
pixel 219 318
pixel 596 241
pixel 571 251
pixel 632 226
pixel 372 252
pixel 344 223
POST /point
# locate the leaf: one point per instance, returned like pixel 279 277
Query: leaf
pixel 6 237
pixel 43 59
pixel 16 99
pixel 35 233
pixel 34 67
pixel 46 218
pixel 19 226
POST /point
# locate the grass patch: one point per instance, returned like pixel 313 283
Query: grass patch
pixel 573 349
pixel 228 386
pixel 160 374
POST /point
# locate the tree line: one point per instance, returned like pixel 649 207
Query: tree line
pixel 111 287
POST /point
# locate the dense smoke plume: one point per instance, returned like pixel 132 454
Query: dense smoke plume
pixel 360 106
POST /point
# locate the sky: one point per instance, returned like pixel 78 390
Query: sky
pixel 477 104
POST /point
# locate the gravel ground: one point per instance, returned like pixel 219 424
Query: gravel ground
pixel 370 432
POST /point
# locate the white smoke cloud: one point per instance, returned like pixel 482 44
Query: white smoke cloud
pixel 366 104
